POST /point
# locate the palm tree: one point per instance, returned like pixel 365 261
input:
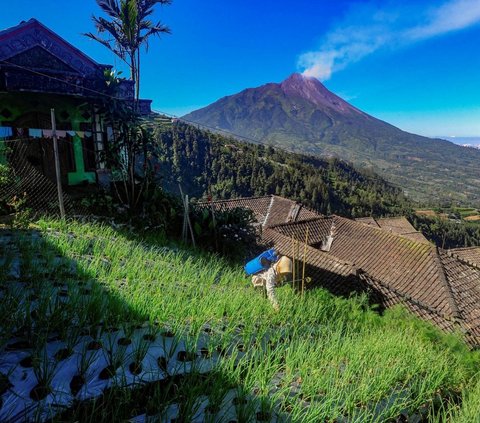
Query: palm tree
pixel 128 30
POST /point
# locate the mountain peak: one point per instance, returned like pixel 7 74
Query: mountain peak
pixel 311 89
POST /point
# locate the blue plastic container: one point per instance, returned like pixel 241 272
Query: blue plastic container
pixel 255 265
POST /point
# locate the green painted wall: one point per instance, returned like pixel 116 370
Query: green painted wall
pixel 20 103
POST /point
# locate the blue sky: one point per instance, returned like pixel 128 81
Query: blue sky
pixel 415 64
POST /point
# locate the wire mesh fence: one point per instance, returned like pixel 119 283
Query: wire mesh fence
pixel 30 178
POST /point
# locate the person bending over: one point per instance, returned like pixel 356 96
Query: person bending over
pixel 277 273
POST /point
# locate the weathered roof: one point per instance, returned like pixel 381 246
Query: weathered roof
pixel 370 221
pixel 464 282
pixel 269 210
pixel 411 268
pixel 334 274
pixel 27 34
pixel 470 255
pixel 318 230
pixel 396 225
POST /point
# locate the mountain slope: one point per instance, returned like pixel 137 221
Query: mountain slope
pixel 301 115
pixel 205 162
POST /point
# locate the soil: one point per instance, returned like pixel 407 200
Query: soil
pixel 94 346
pixel 222 351
pixel 149 337
pixel 27 362
pixel 185 356
pixel 263 416
pixel 76 384
pixel 287 408
pixel 63 354
pixel 124 341
pixel 107 373
pixel 239 401
pixel 205 353
pixel 241 347
pixel 20 345
pixel 162 363
pixel 212 410
pixel 168 334
pixel 135 368
pixel 5 384
pixel 40 392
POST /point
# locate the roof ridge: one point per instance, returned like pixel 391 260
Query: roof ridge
pixel 309 220
pixel 36 22
pixel 303 206
pixel 382 230
pixel 463 248
pixel 461 259
pixel 320 252
pixel 445 282
pixel 236 199
pixel 269 209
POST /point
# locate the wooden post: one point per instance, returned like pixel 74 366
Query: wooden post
pixel 184 228
pixel 293 261
pixel 187 209
pixel 298 262
pixel 187 224
pixel 214 223
pixel 304 260
pixel 57 165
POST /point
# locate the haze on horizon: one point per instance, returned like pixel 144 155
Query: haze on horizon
pixel 412 63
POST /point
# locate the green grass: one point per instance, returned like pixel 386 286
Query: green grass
pixel 320 358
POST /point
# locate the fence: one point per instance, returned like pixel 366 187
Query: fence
pixel 30 181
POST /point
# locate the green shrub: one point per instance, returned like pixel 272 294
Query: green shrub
pixel 229 232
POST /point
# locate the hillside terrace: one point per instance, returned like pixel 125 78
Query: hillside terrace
pixel 378 257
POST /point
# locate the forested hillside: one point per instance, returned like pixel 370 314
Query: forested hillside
pixel 204 162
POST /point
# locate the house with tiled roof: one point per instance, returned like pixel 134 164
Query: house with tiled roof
pixel 377 257
pixel 41 71
pixel 431 282
pixel 269 209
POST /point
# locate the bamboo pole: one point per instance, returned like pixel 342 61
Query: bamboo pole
pixel 298 263
pixel 293 260
pixel 187 208
pixel 304 260
pixel 214 222
pixel 184 228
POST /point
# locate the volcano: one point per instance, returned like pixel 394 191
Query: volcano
pixel 300 114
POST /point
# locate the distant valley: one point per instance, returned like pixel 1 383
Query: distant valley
pixel 464 141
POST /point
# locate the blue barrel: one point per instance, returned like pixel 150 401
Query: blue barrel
pixel 255 265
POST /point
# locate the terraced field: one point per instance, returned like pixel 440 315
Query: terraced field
pixel 101 325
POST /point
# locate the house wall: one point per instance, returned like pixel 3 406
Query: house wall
pixel 71 114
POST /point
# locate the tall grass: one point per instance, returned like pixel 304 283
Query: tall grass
pixel 320 358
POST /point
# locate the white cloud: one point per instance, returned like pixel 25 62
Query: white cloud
pixel 451 16
pixel 369 27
